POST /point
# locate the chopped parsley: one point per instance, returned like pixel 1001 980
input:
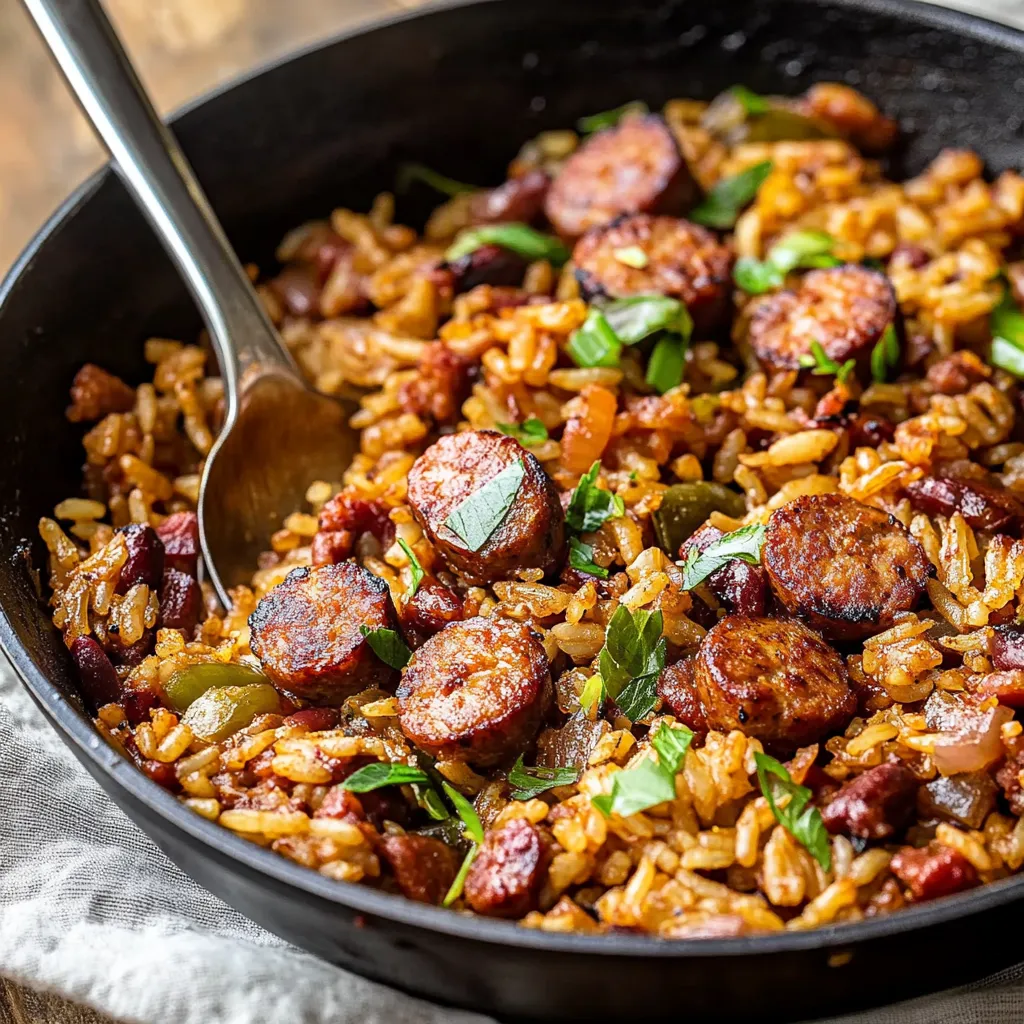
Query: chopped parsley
pixel 590 505
pixel 751 102
pixel 529 432
pixel 478 516
pixel 821 365
pixel 388 646
pixel 744 544
pixel 726 200
pixel 517 238
pixel 885 356
pixel 581 557
pixel 415 569
pixel 798 817
pixel 650 782
pixel 595 343
pixel 373 776
pixel 472 830
pixel 1007 326
pixel 631 660
pixel 609 118
pixel 410 173
pixel 799 249
pixel 527 783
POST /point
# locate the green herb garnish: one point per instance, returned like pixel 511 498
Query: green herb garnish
pixel 410 173
pixel 529 432
pixel 821 365
pixel 590 505
pixel 800 249
pixel 478 516
pixel 595 343
pixel 724 203
pixel 373 776
pixel 751 102
pixel 609 118
pixel 639 316
pixel 592 695
pixel 473 830
pixel 799 817
pixel 666 363
pixel 527 783
pixel 1007 326
pixel 517 238
pixel 744 544
pixel 631 256
pixel 388 646
pixel 415 569
pixel 650 782
pixel 581 557
pixel 632 659
pixel 885 356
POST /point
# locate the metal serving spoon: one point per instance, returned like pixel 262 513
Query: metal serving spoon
pixel 279 435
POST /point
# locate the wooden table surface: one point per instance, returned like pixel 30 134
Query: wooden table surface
pixel 182 48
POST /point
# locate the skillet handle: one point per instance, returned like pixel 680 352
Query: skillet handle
pixel 156 173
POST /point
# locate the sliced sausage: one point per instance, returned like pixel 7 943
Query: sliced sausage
pixel 846 568
pixel 145 561
pixel 684 261
pixel 678 692
pixel 635 167
pixel 530 536
pixel 933 872
pixel 739 586
pixel 846 309
pixel 508 872
pixel 874 805
pixel 424 867
pixel 976 494
pixel 179 534
pixel 476 691
pixel 306 632
pixel 96 393
pixel 518 199
pixel 431 608
pixel 490 264
pixel 773 679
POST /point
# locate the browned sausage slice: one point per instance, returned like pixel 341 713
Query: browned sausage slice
pixel 682 260
pixel 476 691
pixel 508 872
pixel 679 693
pixel 530 536
pixel 635 167
pixel 424 867
pixel 773 679
pixel 306 632
pixel 845 568
pixel 846 309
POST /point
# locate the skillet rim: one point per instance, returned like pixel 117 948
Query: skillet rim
pixel 65 718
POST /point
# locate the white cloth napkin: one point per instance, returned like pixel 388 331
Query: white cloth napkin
pixel 92 910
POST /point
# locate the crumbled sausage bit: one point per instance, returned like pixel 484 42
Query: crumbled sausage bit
pixel 96 393
pixel 442 384
pixel 679 693
pixel 852 114
pixel 933 872
pixel 181 602
pixel 978 496
pixel 874 805
pixel 957 373
pixel 145 561
pixel 518 199
pixel 424 867
pixel 179 533
pixel 508 872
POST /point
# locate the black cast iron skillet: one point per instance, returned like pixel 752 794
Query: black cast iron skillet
pixel 460 88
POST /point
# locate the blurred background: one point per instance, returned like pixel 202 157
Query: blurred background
pixel 182 48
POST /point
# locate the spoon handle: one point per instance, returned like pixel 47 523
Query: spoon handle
pixel 155 171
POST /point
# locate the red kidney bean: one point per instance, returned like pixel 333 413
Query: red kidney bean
pixel 96 675
pixel 874 805
pixel 181 602
pixel 314 719
pixel 932 872
pixel 180 535
pixel 145 561
pixel 1006 648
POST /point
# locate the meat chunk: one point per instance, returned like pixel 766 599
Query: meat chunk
pixel 635 167
pixel 679 693
pixel 1006 648
pixel 846 568
pixel 530 536
pixel 443 384
pixel 772 679
pixel 179 534
pixel 739 586
pixel 874 805
pixel 518 199
pixel 424 867
pixel 181 602
pixel 957 373
pixel 846 309
pixel 852 114
pixel 508 872
pixel 490 264
pixel 306 632
pixel 977 495
pixel 476 691
pixel 683 261
pixel 432 607
pixel 343 520
pixel 933 872
pixel 964 799
pixel 96 393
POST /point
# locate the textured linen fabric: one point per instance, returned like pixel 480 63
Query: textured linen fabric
pixel 90 909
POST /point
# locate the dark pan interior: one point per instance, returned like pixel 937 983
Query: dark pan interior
pixel 459 89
